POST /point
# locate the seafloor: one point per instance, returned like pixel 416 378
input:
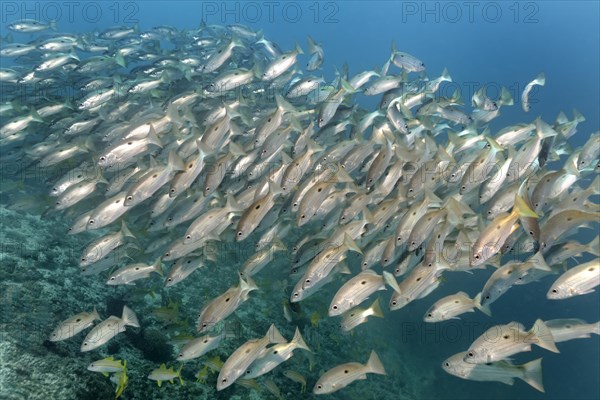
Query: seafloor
pixel 41 285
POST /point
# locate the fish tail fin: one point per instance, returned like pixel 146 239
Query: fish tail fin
pixel 347 86
pixel 351 244
pixel 495 145
pixel 179 375
pixel 298 49
pixel 506 98
pixel 298 340
pixel 129 317
pixel 544 336
pixel 204 150
pixel 431 199
pixel 540 79
pixel 274 336
pixel 391 281
pixel 232 204
pixel 236 149
pixel 539 263
pixel 543 130
pixel 174 162
pixel 342 176
pixel 95 314
pixel 284 105
pixel 125 230
pixel 521 207
pixel 571 165
pixel 247 285
pixel 376 309
pixel 278 244
pixel 313 146
pixel 532 374
pixel 35 116
pixel 153 137
pixel 446 75
pixel 374 364
pixel 367 216
pixel 577 116
pixel 311 45
pixel 120 60
pixel 342 268
pixel 483 308
pixel 236 42
pixel 596 328
pixel 158 266
pixel 275 188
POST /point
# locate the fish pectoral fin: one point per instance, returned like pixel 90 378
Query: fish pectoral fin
pixel 105 374
pixel 159 383
pixel 585 292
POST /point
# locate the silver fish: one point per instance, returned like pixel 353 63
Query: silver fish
pixel 236 364
pixel 108 329
pixel 73 325
pixel 500 371
pixel 502 341
pixel 344 374
pixel 578 280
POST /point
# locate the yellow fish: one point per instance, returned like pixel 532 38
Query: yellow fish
pixel 202 374
pixel 314 319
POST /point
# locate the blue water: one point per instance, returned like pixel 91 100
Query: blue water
pixel 481 43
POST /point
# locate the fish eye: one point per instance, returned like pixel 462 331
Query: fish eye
pixel 188 237
pixel 335 307
pixel 447 364
pixel 477 256
pixel 394 302
pixel 429 315
pixel 102 158
pixel 112 278
pixel 129 197
pixel 319 387
pixel 240 233
pixel 470 354
pixel 91 222
pixel 180 354
pixel 554 291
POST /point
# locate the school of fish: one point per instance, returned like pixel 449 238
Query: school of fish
pixel 177 140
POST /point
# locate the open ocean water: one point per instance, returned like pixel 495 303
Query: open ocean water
pixel 491 44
